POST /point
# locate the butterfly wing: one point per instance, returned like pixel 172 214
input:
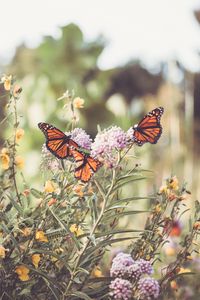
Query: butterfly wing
pixel 86 166
pixel 58 143
pixel 149 129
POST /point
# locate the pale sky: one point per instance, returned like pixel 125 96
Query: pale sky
pixel 150 30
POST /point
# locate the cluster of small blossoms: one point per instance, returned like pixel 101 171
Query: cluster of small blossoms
pixel 81 138
pixel 107 142
pixel 124 269
pixel 49 161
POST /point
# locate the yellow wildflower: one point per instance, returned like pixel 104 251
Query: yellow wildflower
pixel 26 231
pixel 76 229
pixel 78 102
pixel 40 236
pixel 97 272
pixel 173 183
pixel 184 270
pixel 170 251
pixel 163 189
pixel 173 285
pixel 5 159
pixel 19 134
pixel 35 260
pixel 158 208
pixel 78 189
pixel 22 273
pixel 19 161
pixel 7 80
pixel 49 187
pixel 2 252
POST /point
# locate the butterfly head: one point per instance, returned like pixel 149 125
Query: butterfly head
pixel 135 126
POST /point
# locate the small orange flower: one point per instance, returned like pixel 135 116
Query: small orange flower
pixel 7 80
pixel 22 272
pixel 173 285
pixel 97 272
pixel 19 161
pixel 5 161
pixel 172 196
pixel 78 189
pixel 26 231
pixel 163 189
pixel 40 236
pixel 26 192
pixel 19 134
pixel 76 229
pixel 176 229
pixel 2 252
pixel 17 90
pixel 183 270
pixel 52 201
pixel 78 102
pixel 196 225
pixel 49 187
pixel 35 260
pixel 170 251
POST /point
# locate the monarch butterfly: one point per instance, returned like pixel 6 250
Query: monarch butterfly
pixel 149 129
pixel 86 165
pixel 58 143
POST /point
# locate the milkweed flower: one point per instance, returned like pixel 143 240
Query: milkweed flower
pixel 120 264
pixel 145 266
pixel 22 272
pixel 49 161
pixel 81 138
pixel 107 142
pixel 121 289
pixel 148 288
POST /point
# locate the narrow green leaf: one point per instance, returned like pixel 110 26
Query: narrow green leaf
pixel 120 185
pixel 16 205
pixel 136 198
pixel 81 295
pixel 126 213
pixel 37 194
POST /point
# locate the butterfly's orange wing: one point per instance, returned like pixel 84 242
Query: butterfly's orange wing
pixel 86 166
pixel 58 143
pixel 149 129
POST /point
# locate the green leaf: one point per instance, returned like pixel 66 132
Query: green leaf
pixel 37 194
pixel 125 213
pixel 120 185
pixel 16 205
pixel 81 295
pixel 136 198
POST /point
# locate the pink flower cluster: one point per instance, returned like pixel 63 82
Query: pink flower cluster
pixel 124 269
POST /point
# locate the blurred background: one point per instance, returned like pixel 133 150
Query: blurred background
pixel 124 58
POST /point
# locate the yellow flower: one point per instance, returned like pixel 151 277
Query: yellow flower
pixel 22 273
pixel 7 80
pixel 173 285
pixel 184 270
pixel 76 229
pixel 19 134
pixel 163 189
pixel 40 236
pixel 170 251
pixel 2 252
pixel 19 161
pixel 158 208
pixel 26 231
pixel 36 259
pixel 78 102
pixel 5 159
pixel 173 183
pixel 78 189
pixel 97 272
pixel 49 187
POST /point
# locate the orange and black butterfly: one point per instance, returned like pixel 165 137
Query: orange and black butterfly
pixel 86 165
pixel 149 129
pixel 58 143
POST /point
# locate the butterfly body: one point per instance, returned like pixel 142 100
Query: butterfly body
pixel 149 129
